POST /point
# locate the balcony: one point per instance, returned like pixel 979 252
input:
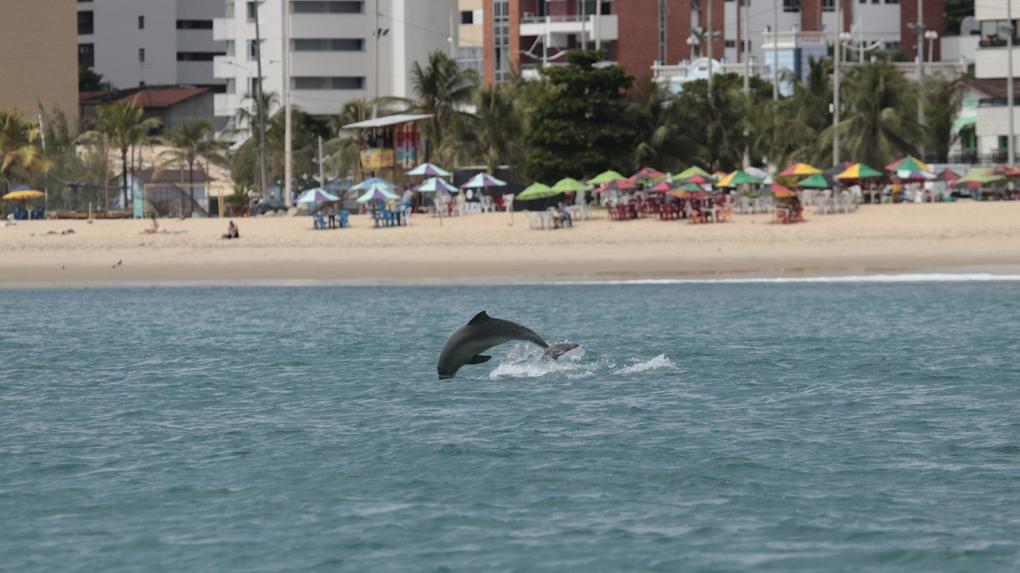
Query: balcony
pixel 992 62
pixel 558 28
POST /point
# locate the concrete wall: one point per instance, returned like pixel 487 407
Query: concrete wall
pixel 995 9
pixel 39 56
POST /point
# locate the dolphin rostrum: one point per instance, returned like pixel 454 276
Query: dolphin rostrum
pixel 466 344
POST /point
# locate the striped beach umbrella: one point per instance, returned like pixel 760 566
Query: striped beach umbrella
pixel 858 171
pixel 483 181
pixel 433 184
pixel 428 170
pixel 800 170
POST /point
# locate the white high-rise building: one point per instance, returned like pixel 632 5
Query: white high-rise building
pixel 996 18
pixel 340 50
pixel 155 42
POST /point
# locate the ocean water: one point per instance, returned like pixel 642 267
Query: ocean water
pixel 701 427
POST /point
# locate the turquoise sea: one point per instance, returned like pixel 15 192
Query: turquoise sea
pixel 774 426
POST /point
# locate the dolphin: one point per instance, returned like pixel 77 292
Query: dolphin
pixel 466 344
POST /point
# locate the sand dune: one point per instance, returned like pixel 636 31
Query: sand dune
pixel 486 248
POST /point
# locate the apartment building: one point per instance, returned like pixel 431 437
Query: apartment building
pixel 998 19
pixel 526 34
pixel 471 35
pixel 150 42
pixel 37 64
pixel 340 50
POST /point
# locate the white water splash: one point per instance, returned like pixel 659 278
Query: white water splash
pixel 660 361
pixel 526 361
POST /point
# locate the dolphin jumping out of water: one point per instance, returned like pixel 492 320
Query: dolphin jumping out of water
pixel 466 344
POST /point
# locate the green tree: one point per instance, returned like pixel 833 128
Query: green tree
pixel 579 124
pixel 494 134
pixel 304 151
pixel 943 99
pixel 190 143
pixel 441 89
pixel 90 80
pixel 20 148
pixel 121 126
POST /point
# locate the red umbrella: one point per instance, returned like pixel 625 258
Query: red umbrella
pixel 617 185
pixel 698 180
pixel 663 187
pixel 948 175
pixel 645 174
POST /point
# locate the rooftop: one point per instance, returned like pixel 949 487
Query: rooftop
pixel 149 97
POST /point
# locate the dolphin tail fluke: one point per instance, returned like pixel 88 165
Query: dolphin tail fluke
pixel 554 351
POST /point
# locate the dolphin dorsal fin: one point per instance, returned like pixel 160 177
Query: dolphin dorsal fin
pixel 481 316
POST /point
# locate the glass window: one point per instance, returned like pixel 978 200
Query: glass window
pixel 327 6
pixel 791 5
pixel 230 47
pixel 86 23
pixel 252 7
pixel 231 86
pixel 86 55
pixel 328 83
pixel 141 22
pixel 467 17
pixel 229 8
pixel 141 55
pixel 194 24
pixel 828 5
pixel 328 45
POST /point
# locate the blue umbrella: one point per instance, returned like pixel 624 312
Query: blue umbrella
pixel 377 193
pixel 428 170
pixel 434 184
pixel 373 181
pixel 483 181
pixel 316 196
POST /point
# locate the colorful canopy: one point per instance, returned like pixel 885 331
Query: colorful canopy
pixel 316 196
pixel 646 174
pixel 433 184
pixel 567 184
pixel 913 176
pixel 377 193
pixel 22 194
pixel 800 170
pixel 663 187
pixel 980 177
pixel 537 191
pixel 816 181
pixel 948 175
pixel 782 192
pixel 696 179
pixel 483 181
pixel 688 188
pixel 909 163
pixel 428 170
pixel 372 182
pixel 606 177
pixel 738 177
pixel 617 185
pixel 859 171
pixel 691 172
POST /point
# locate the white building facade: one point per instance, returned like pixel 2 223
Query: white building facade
pixel 992 63
pixel 340 50
pixel 151 42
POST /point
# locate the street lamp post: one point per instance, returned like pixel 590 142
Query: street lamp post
pixel 1011 146
pixel 836 80
pixel 288 164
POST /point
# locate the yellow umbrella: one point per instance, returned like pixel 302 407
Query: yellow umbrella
pixel 23 195
pixel 800 170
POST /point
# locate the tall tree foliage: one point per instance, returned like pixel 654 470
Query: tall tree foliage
pixel 190 143
pixel 441 89
pixel 122 126
pixel 20 149
pixel 943 99
pixel 305 148
pixel 579 125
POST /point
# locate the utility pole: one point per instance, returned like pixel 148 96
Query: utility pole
pixel 288 133
pixel 260 106
pixel 598 25
pixel 775 50
pixel 742 7
pixel 1011 147
pixel 711 33
pixel 322 167
pixel 920 29
pixel 836 80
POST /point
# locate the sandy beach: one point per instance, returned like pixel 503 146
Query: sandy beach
pixel 487 248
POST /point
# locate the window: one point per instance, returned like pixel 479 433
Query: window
pixel 328 83
pixel 892 45
pixel 230 48
pixel 194 24
pixel 141 55
pixel 731 43
pixel 231 86
pixel 324 6
pixel 252 9
pixel 791 5
pixel 229 8
pixel 892 1
pixel 253 50
pixel 467 17
pixel 328 45
pixel 86 55
pixel 828 5
pixel 501 40
pixel 197 56
pixel 86 23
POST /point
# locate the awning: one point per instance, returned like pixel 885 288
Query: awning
pixel 387 121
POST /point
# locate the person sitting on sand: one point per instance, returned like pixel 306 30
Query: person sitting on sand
pixel 154 228
pixel 232 232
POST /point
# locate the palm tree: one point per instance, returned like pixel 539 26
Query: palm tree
pixel 189 143
pixel 20 152
pixel 942 101
pixel 440 89
pixel 880 122
pixel 254 120
pixel 123 125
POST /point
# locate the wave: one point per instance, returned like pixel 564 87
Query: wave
pixel 884 278
pixel 526 361
pixel 660 361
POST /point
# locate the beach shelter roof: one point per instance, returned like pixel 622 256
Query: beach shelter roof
pixel 738 177
pixel 22 193
pixel 664 187
pixel 433 184
pixel 371 182
pixel 428 170
pixel 617 185
pixel 909 163
pixel 483 181
pixel 816 181
pixel 567 184
pixel 859 171
pixel 377 193
pixel 691 172
pixel 800 170
pixel 537 191
pixel 645 174
pixel 782 192
pixel 606 177
pixel 315 196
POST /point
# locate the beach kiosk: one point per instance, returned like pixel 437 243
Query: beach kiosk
pixel 390 145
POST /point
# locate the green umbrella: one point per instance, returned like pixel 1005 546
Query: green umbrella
pixel 566 185
pixel 816 181
pixel 689 187
pixel 691 172
pixel 738 178
pixel 537 191
pixel 908 163
pixel 980 176
pixel 605 177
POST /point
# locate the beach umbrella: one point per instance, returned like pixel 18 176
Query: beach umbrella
pixel 800 170
pixel 781 192
pixel 537 191
pixel 377 193
pixel 428 170
pixel 315 196
pixel 22 193
pixel 858 171
pixel 913 176
pixel 816 181
pixel 948 175
pixel 618 185
pixel 664 187
pixel 738 177
pixel 433 184
pixel 979 177
pixel 908 163
pixel 696 179
pixel 646 174
pixel 483 181
pixel 606 177
pixel 685 190
pixel 567 185
pixel 372 182
pixel 759 173
pixel 691 172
